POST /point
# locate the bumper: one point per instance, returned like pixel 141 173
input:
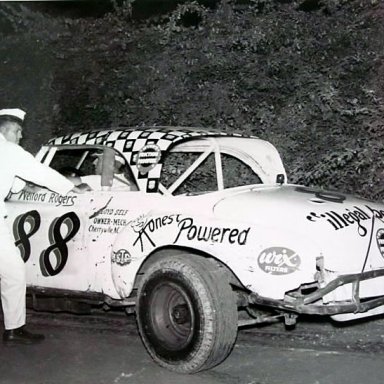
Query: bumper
pixel 311 303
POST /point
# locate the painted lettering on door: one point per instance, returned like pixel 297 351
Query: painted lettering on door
pixel 27 224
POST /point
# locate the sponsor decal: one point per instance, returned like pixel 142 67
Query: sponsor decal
pixel 279 261
pixel 47 197
pixel 145 228
pixel 190 231
pixel 108 221
pixel 121 257
pixel 186 230
pixel 342 219
pixel 380 240
pixel 148 157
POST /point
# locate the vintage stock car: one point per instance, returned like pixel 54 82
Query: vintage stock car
pixel 188 228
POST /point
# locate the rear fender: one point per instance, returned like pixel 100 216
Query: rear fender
pixel 152 233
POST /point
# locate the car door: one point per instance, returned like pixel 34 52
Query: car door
pixel 49 232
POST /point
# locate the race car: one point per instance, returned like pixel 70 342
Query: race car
pixel 190 227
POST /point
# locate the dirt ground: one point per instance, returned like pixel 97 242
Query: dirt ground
pixel 106 348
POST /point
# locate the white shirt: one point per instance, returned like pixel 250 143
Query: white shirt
pixel 17 162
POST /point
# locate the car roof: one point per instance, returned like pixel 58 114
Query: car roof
pixel 163 135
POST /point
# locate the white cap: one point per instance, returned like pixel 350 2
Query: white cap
pixel 14 112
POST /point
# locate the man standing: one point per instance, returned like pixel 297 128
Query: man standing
pixel 15 162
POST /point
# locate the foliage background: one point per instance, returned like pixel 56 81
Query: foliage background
pixel 306 75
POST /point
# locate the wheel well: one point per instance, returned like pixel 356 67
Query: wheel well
pixel 169 251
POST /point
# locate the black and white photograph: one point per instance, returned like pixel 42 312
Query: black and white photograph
pixel 192 191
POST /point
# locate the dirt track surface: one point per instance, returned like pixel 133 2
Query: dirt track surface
pixel 106 348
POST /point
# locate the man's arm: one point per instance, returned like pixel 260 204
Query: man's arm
pixel 32 170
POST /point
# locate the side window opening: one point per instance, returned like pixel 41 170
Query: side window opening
pixel 78 162
pixel 180 177
pixel 86 165
pixel 236 173
pixel 202 179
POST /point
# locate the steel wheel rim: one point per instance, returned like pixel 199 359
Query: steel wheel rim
pixel 172 315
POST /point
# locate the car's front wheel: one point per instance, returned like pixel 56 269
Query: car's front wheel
pixel 186 313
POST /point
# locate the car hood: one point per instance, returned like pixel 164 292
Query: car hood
pixel 347 231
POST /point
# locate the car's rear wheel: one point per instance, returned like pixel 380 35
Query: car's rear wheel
pixel 186 313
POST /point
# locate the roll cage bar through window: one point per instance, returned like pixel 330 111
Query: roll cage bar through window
pixel 213 148
pixel 210 155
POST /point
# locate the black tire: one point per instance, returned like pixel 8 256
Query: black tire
pixel 186 313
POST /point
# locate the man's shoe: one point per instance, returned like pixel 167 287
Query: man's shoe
pixel 21 336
